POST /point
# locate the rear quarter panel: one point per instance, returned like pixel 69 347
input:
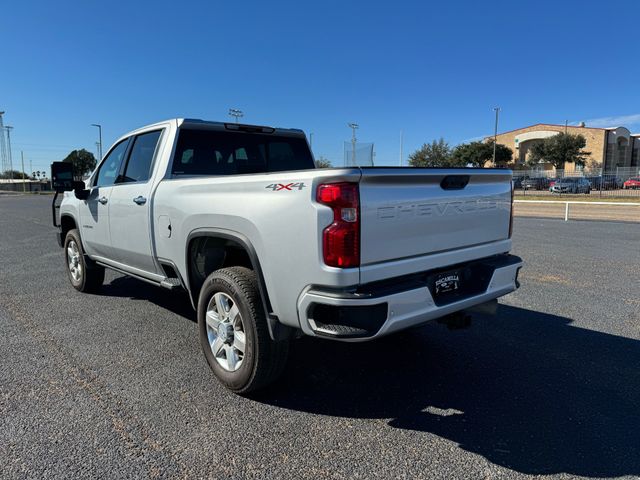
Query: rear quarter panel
pixel 283 225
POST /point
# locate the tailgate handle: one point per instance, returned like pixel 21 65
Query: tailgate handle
pixel 454 182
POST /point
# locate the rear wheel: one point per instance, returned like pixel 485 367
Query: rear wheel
pixel 84 274
pixel 234 334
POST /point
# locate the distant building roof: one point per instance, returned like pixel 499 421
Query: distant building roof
pixel 553 125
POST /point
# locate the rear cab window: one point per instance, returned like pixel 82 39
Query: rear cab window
pixel 138 168
pixel 219 152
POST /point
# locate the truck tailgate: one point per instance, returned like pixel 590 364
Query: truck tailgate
pixel 416 212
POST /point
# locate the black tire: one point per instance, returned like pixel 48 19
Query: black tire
pixel 91 276
pixel 264 359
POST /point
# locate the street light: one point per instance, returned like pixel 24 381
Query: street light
pixel 234 112
pixel 3 151
pixel 100 139
pixel 495 134
pixel 353 126
pixel 8 128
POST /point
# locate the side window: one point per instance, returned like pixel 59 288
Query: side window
pixel 139 164
pixel 111 165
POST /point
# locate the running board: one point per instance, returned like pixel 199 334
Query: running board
pixel 171 283
pixel 124 272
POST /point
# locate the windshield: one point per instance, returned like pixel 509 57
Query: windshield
pixel 214 152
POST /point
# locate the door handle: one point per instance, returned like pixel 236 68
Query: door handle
pixel 103 200
pixel 140 200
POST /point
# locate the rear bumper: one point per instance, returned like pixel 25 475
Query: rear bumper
pixel 380 308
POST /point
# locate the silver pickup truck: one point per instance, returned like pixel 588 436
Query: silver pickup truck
pixel 269 248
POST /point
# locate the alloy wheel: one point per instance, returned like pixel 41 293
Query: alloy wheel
pixel 74 261
pixel 225 331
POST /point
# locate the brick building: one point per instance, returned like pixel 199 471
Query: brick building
pixel 610 148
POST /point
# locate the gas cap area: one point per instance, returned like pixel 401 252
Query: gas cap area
pixel 164 226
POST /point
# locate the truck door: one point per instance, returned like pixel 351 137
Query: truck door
pixel 94 211
pixel 130 205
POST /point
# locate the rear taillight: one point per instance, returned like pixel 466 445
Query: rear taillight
pixel 511 213
pixel 341 239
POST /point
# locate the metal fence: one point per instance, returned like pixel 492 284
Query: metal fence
pixel 360 154
pixel 621 182
pixel 16 185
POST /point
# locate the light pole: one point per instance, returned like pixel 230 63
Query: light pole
pixel 3 150
pixel 24 186
pixel 9 148
pixel 311 140
pixel 234 112
pixel 100 139
pixel 401 141
pixel 495 134
pixel 353 126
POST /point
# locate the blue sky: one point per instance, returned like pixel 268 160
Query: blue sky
pixel 428 69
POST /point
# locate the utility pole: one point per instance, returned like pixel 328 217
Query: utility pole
pixel 3 149
pixel 234 112
pixel 24 186
pixel 566 125
pixel 353 126
pixel 100 139
pixel 400 147
pixel 311 140
pixel 495 134
pixel 9 149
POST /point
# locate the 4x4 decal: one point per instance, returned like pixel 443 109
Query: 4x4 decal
pixel 276 187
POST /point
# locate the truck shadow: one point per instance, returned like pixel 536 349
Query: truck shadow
pixel 526 390
pixel 127 287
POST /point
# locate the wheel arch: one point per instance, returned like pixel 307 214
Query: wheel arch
pixel 224 248
pixel 68 222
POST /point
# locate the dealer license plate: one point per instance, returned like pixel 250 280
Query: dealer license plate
pixel 447 282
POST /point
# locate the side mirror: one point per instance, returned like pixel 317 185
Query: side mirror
pixel 62 176
pixel 79 191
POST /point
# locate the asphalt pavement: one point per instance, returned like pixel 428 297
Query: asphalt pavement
pixel 114 385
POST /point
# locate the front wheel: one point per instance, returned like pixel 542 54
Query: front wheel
pixel 234 333
pixel 84 274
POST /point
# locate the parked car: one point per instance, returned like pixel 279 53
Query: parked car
pixel 572 185
pixel 605 182
pixel 269 248
pixel 535 183
pixel 632 184
pixel 552 182
pixel 517 181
